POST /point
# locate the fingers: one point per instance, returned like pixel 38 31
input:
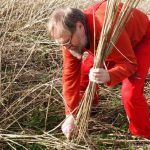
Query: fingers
pixel 99 75
pixel 95 75
pixel 96 70
pixel 68 126
pixel 67 130
pixel 95 78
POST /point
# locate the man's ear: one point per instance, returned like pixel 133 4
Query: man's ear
pixel 80 26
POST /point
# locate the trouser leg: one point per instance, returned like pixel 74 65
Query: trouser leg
pixel 135 103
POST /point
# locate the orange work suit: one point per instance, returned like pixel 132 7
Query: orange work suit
pixel 128 63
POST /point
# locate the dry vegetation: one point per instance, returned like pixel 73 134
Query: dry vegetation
pixel 31 104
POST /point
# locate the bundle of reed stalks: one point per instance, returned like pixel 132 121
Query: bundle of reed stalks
pixel 111 29
pixel 50 141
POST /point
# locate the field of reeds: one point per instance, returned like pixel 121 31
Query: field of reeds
pixel 31 104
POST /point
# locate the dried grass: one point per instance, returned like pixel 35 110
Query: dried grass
pixel 31 70
pixel 31 80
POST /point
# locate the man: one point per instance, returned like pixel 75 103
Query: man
pixel 128 62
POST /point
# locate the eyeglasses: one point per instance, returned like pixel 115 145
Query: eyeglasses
pixel 68 43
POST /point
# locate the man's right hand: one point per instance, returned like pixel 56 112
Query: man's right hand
pixel 68 126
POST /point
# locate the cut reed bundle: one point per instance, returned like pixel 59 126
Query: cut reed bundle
pixel 50 141
pixel 109 35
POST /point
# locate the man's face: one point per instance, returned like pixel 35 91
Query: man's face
pixel 74 42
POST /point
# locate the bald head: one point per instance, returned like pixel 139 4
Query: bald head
pixel 64 20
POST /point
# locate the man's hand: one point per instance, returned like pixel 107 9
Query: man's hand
pixel 68 126
pixel 99 75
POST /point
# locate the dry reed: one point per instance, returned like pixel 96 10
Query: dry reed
pixel 31 78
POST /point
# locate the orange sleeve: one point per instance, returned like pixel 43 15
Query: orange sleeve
pixel 71 81
pixel 124 58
